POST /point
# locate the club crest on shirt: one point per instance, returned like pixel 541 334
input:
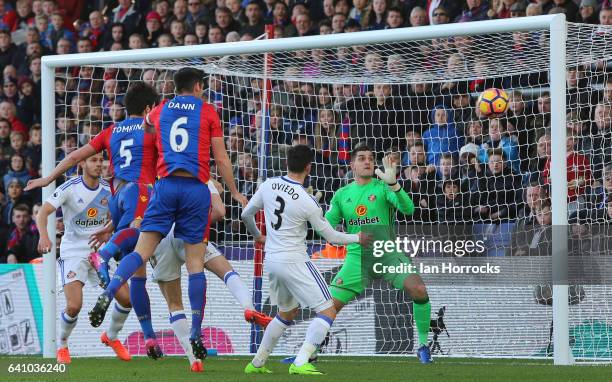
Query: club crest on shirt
pixel 372 197
pixel 70 275
pixel 143 198
pixel 104 201
pixel 361 210
pixel 339 281
pixel 92 212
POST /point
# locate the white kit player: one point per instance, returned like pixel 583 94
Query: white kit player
pixel 294 279
pixel 167 260
pixel 84 204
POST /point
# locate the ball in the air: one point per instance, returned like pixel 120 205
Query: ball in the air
pixel 492 103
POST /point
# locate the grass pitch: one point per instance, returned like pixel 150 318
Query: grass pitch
pixel 338 369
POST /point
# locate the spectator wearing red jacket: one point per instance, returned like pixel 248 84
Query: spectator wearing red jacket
pixel 7 16
pixel 23 239
pixel 9 112
pixel 25 16
pixel 71 8
pixel 578 170
pixel 94 30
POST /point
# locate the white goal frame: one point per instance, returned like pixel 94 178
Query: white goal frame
pixel 556 24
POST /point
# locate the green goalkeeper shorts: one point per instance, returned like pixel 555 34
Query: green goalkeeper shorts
pixel 353 278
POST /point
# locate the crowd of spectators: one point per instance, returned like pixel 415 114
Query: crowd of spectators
pixel 457 166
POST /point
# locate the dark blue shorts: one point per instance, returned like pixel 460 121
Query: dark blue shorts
pixel 182 201
pixel 129 204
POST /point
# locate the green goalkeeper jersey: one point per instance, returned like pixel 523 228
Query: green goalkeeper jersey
pixel 372 204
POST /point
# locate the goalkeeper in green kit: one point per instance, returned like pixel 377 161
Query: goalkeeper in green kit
pixel 370 204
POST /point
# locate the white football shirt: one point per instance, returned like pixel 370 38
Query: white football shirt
pixel 84 210
pixel 288 209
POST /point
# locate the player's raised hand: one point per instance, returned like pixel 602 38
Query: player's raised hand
pixel 389 175
pixel 102 236
pixel 36 183
pixel 44 245
pixel 261 239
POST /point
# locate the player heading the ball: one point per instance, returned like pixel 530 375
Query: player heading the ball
pixel 294 279
pixel 186 129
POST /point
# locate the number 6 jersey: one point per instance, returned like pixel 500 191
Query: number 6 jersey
pixel 184 126
pixel 130 149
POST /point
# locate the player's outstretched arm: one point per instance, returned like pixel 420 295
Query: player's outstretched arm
pixel 44 243
pixel 224 166
pixel 66 164
pixel 323 228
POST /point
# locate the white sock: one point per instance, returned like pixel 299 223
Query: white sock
pixel 241 293
pixel 120 314
pixel 317 330
pixel 180 326
pixel 67 323
pixel 273 332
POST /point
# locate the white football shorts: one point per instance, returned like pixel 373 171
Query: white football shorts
pixel 170 256
pixel 297 284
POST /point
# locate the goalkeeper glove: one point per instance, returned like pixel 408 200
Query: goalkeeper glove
pixel 317 195
pixel 389 175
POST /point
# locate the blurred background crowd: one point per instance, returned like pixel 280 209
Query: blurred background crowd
pixel 457 166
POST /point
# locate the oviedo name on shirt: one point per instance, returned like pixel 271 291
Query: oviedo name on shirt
pixel 284 187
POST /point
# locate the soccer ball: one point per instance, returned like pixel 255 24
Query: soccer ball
pixel 492 103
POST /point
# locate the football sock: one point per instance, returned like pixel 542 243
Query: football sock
pixel 142 306
pixel 121 242
pixel 180 326
pixel 67 323
pixel 422 317
pixel 127 267
pixel 317 330
pixel 274 331
pixel 240 292
pixel 120 314
pixel 197 299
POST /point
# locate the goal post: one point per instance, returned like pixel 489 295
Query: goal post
pixel 558 32
pixel 175 57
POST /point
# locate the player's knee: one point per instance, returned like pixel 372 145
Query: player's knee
pixel 416 290
pixel 141 272
pixel 123 300
pixel 338 305
pixel 290 315
pixel 73 309
pixel 329 312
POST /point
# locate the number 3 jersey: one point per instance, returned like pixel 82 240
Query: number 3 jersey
pixel 287 208
pixel 131 150
pixel 185 126
pixel 84 210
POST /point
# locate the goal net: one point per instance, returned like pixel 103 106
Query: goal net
pixel 470 177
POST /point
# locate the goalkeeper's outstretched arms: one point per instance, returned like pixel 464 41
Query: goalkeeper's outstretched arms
pixel 398 198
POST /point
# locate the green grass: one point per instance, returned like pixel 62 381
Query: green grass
pixel 338 369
